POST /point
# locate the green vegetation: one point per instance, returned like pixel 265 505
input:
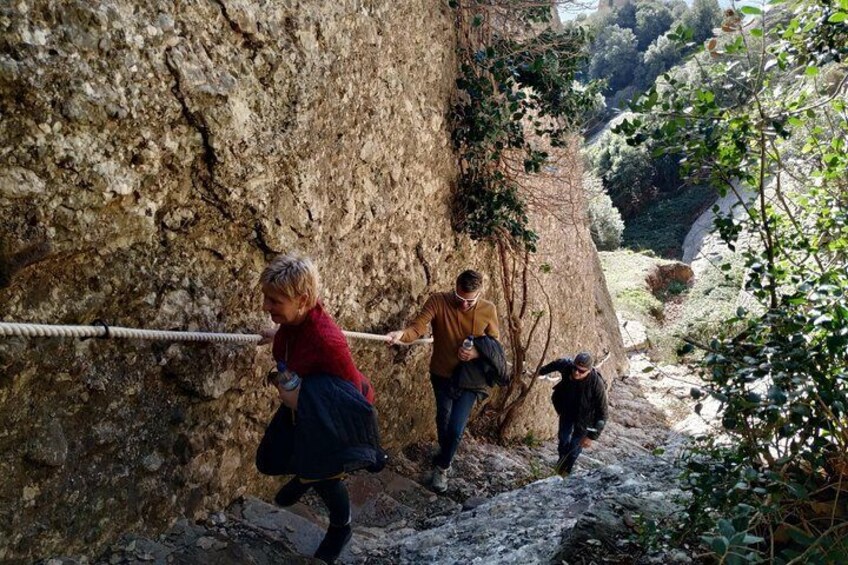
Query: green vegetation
pixel 627 173
pixel 663 224
pixel 771 118
pixel 615 57
pixel 517 100
pixel 625 272
pixel 605 223
pixel 633 44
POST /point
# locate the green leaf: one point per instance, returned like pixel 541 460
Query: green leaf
pixel 719 545
pixel 725 527
pixel 811 71
pixel 751 10
pixel 838 17
pixel 757 32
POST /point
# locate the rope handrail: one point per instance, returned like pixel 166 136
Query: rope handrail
pixel 17 329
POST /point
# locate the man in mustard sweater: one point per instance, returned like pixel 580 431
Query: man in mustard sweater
pixel 454 317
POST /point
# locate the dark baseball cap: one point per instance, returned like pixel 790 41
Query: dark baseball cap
pixel 584 360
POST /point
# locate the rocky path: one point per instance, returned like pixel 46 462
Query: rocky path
pixel 503 504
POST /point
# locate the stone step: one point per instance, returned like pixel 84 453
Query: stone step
pixel 293 528
pixel 224 540
pixel 382 504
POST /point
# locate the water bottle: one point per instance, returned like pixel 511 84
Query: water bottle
pixel 287 378
pixel 468 343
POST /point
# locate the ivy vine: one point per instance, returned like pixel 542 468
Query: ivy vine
pixel 517 97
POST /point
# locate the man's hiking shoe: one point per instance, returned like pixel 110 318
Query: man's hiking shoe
pixel 560 467
pixel 333 543
pixel 437 452
pixel 440 479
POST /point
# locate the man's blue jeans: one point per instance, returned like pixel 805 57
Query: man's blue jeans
pixel 569 443
pixel 451 417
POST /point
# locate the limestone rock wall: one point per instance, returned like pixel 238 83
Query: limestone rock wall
pixel 153 156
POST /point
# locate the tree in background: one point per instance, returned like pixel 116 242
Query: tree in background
pixel 662 54
pixel 625 16
pixel 652 20
pixel 605 223
pixel 627 173
pixel 678 8
pixel 615 57
pixel 702 17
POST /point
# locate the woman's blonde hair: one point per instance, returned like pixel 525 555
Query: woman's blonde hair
pixel 293 275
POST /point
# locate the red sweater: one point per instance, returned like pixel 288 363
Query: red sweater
pixel 318 346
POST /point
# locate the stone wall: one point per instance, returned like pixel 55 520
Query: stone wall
pixel 154 156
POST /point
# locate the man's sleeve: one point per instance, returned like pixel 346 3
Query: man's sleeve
pixel 418 326
pixel 491 328
pixel 601 410
pixel 560 365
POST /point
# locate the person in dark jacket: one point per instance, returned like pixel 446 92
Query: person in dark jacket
pixel 580 400
pixel 326 425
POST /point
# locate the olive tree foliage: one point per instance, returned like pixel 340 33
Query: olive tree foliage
pixel 662 54
pixel 626 171
pixel 771 487
pixel 615 57
pixel 605 223
pixel 702 17
pixel 652 20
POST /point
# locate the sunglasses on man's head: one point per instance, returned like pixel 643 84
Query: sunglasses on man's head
pixel 467 301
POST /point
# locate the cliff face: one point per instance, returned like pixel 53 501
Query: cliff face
pixel 154 156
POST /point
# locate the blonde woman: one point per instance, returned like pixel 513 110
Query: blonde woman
pixel 326 425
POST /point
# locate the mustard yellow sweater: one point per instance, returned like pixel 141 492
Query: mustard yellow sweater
pixel 450 327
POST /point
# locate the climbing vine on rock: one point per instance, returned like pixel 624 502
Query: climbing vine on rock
pixel 517 98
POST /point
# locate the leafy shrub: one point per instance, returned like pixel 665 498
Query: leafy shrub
pixel 605 223
pixel 771 487
pixel 615 57
pixel 626 171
